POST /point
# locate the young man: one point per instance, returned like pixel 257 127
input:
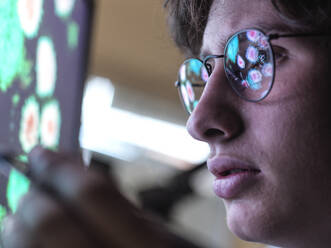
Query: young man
pixel 264 111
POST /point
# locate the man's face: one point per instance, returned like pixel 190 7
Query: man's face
pixel 272 158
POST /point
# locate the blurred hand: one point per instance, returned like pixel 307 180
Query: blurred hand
pixel 97 216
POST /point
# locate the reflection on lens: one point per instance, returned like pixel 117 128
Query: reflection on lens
pixel 241 62
pixel 204 74
pixel 195 67
pixel 192 79
pixel 190 91
pixel 254 79
pixel 232 49
pixel 184 95
pixel 252 54
pixel 267 70
pixel 253 35
pixel 182 74
pixel 249 64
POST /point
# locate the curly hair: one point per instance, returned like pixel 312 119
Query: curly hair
pixel 187 19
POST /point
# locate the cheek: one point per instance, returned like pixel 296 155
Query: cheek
pixel 304 74
pixel 296 116
pixel 294 140
pixel 293 152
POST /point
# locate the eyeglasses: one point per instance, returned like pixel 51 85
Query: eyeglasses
pixel 249 65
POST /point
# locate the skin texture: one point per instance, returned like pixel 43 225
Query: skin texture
pixel 286 136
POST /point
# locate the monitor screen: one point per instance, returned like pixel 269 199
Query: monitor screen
pixel 44 49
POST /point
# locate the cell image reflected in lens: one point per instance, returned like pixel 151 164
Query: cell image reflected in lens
pixel 252 54
pixel 192 77
pixel 195 67
pixel 249 64
pixel 232 49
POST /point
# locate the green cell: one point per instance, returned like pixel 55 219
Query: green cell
pixel 23 158
pixel 73 35
pixel 16 99
pixel 25 75
pixel 18 185
pixel 3 213
pixel 12 49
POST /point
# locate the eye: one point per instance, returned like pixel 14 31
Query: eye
pixel 280 54
pixel 209 68
pixel 210 64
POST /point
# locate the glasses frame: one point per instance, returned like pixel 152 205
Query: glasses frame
pixel 270 37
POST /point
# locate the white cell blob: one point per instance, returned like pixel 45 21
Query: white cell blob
pixel 182 73
pixel 241 62
pixel 30 14
pixel 63 8
pixel 46 67
pixel 29 127
pixel 267 70
pixel 245 83
pixel 190 92
pixel 252 54
pixel 50 125
pixel 263 42
pixel 204 74
pixel 255 76
pixel 253 35
pixel 185 95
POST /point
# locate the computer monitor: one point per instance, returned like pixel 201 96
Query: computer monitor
pixel 44 48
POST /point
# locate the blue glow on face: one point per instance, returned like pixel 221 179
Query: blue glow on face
pixel 232 49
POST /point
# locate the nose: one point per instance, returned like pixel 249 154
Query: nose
pixel 217 116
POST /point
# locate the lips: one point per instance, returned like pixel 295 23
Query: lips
pixel 233 176
pixel 231 172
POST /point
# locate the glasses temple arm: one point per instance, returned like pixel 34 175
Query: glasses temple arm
pixel 212 57
pixel 277 36
pixel 177 85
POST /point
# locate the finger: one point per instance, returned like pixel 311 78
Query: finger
pixel 49 223
pixel 104 209
pixel 15 234
pixel 37 211
pixel 44 158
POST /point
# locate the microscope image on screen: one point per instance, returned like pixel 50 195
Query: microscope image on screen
pixel 43 49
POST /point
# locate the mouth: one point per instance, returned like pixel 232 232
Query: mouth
pixel 223 166
pixel 230 172
pixel 233 177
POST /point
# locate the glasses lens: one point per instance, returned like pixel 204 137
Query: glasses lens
pixel 192 79
pixel 249 64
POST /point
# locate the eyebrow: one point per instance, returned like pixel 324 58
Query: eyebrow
pixel 221 43
pixel 267 28
pixel 280 28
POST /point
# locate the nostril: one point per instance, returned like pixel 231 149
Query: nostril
pixel 213 132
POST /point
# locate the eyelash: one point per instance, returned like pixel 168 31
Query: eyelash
pixel 209 67
pixel 280 54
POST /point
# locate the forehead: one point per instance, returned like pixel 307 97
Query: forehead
pixel 229 16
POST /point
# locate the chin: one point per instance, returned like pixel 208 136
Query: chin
pixel 252 224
